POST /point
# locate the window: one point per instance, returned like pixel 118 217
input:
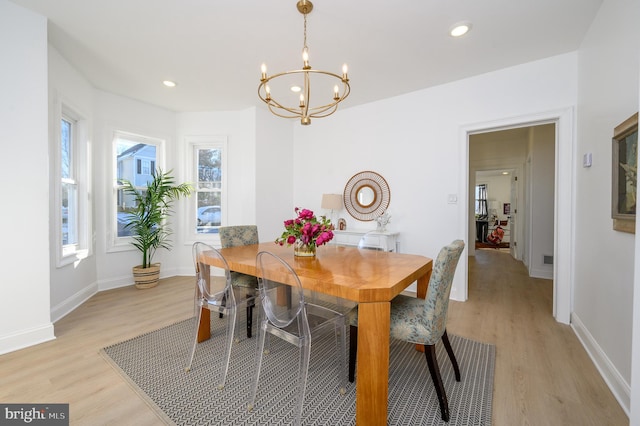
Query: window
pixel 135 159
pixel 209 175
pixel 71 185
pixel 68 184
pixel 481 200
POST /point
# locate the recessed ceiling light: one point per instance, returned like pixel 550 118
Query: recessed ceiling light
pixel 460 29
pixel 296 89
pixel 505 173
pixel 169 83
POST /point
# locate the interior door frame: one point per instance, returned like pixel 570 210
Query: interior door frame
pixel 564 206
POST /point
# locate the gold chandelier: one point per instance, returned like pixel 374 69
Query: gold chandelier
pixel 304 109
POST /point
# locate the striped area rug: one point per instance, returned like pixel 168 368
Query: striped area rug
pixel 154 366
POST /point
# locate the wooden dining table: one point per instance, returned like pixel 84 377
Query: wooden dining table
pixel 369 277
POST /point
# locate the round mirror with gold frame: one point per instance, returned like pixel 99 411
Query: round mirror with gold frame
pixel 366 195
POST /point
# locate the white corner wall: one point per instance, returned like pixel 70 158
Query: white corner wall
pixel 274 174
pixel 604 275
pixel 24 293
pixel 74 283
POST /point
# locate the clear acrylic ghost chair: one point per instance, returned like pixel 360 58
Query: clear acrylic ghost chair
pixel 422 321
pixel 373 240
pixel 212 272
pixel 286 315
pixel 242 235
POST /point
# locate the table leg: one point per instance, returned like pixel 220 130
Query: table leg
pixel 372 385
pixel 204 328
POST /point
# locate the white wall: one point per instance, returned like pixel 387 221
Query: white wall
pixel 73 283
pixel 24 173
pixel 414 142
pixel 274 173
pixel 608 94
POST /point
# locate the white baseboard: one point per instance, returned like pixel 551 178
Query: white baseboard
pixel 546 274
pixel 127 280
pixel 67 306
pixel 26 338
pixel 116 282
pixel 185 272
pixel 619 387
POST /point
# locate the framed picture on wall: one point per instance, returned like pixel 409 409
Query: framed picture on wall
pixel 506 209
pixel 625 175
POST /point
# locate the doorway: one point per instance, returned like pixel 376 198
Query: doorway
pixel 508 163
pixel 495 212
pixel 560 165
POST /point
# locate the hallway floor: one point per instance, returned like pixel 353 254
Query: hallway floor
pixel 543 374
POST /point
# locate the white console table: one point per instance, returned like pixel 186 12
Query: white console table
pixel 376 239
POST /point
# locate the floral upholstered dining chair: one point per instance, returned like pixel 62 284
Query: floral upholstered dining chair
pixel 423 321
pixel 241 235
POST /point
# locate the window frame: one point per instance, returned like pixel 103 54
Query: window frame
pixel 116 243
pixel 480 202
pixel 195 143
pixel 66 254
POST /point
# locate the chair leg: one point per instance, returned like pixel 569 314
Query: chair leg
pixel 262 324
pixel 224 362
pixel 341 343
pixel 250 306
pixel 195 339
pixel 353 351
pixel 452 357
pixel 430 354
pixel 303 374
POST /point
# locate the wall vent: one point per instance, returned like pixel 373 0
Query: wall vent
pixel 547 259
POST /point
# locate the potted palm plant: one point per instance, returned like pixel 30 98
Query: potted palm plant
pixel 148 221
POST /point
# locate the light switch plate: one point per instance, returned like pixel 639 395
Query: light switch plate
pixel 586 160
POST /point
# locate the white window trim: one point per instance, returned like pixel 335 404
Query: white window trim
pixel 205 142
pixel 81 150
pixel 115 243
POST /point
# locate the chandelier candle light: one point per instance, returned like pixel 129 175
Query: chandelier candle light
pixel 304 110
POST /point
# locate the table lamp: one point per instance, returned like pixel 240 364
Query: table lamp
pixel 331 202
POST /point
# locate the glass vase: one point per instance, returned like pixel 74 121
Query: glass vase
pixel 301 249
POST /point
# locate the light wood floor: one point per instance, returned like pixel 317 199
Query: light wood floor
pixel 543 375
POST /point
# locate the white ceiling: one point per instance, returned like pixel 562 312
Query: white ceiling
pixel 214 48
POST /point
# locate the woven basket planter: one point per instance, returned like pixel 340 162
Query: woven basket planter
pixel 146 277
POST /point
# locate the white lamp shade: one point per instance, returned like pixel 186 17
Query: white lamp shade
pixel 331 201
